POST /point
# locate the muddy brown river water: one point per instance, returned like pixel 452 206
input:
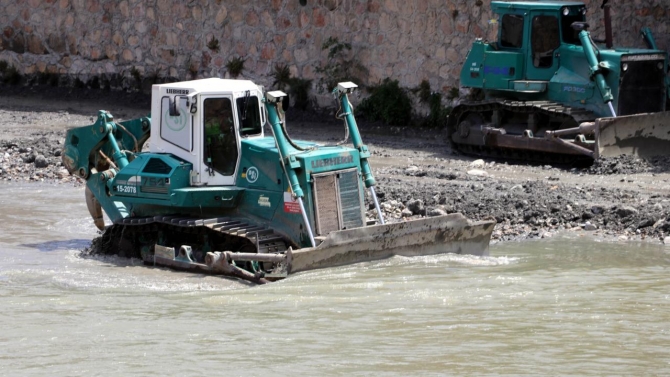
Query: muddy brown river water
pixel 563 306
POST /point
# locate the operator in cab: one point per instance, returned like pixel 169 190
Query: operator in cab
pixel 220 141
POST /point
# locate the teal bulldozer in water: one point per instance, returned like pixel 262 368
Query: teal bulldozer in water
pixel 553 93
pixel 213 194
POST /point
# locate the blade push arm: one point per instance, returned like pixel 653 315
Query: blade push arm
pixel 596 69
pixel 342 91
pixel 288 161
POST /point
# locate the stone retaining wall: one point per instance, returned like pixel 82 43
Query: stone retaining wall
pixel 407 40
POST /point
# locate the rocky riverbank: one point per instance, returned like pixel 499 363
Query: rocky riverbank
pixel 37 159
pixel 622 198
pixel 525 209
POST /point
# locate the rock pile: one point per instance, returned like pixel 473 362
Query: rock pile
pixel 37 158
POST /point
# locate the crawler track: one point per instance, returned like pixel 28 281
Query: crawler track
pixel 498 129
pixel 135 237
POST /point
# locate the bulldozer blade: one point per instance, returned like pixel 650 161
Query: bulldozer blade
pixel 451 233
pixel 643 135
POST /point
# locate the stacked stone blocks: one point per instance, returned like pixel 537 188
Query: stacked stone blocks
pixel 409 41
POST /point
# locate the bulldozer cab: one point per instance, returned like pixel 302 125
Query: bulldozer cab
pixel 204 124
pixel 537 31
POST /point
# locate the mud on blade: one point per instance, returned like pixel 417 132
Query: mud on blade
pixel 451 233
pixel 643 135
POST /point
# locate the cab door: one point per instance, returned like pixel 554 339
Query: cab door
pixel 545 39
pixel 219 142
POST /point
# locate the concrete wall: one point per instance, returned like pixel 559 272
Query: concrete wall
pixel 408 40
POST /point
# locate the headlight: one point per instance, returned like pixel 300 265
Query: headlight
pixel 584 11
pixel 660 65
pixel 566 11
pixel 624 67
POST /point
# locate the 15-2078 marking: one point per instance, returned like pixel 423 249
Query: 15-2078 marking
pixel 126 189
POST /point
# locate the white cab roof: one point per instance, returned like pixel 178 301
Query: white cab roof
pixel 212 85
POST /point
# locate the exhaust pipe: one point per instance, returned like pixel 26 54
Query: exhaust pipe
pixel 608 25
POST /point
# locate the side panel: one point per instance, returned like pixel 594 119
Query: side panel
pixel 259 165
pixel 570 88
pixel 260 205
pixel 488 68
pixel 572 85
pixel 472 75
pixel 268 198
pixel 500 68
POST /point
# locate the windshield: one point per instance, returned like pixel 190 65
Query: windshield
pixel 249 115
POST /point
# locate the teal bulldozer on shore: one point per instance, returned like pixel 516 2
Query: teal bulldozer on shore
pixel 213 194
pixel 553 93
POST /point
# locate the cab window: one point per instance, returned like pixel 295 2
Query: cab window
pixel 511 34
pixel 545 39
pixel 248 112
pixel 570 35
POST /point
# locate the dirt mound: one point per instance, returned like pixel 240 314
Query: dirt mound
pixel 629 165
